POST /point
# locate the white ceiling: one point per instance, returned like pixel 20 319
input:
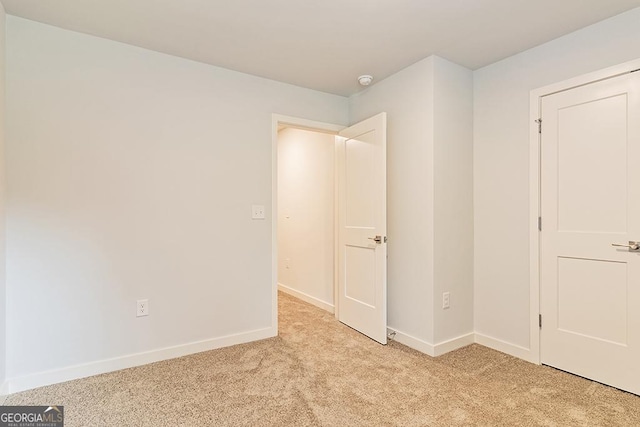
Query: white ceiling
pixel 324 44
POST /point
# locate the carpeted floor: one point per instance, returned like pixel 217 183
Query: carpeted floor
pixel 319 372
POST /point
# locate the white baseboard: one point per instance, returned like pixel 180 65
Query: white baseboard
pixel 307 298
pixel 454 344
pixel 413 342
pixel 14 385
pixel 505 347
pixel 433 350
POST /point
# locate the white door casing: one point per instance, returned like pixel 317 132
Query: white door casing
pixel 362 262
pixel 590 199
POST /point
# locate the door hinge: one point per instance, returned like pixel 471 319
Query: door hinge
pixel 539 223
pixel 540 320
pixel 539 122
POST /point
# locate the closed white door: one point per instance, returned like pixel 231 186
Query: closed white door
pixel 590 289
pixel 362 227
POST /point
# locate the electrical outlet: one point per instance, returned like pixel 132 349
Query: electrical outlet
pixel 257 212
pixel 446 300
pixel 142 307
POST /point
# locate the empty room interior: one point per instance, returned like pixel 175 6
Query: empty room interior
pixel 345 213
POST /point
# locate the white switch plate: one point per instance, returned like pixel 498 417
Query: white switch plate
pixel 142 307
pixel 257 212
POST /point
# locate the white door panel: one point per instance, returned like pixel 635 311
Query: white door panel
pixel 362 282
pixel 590 187
pixel 592 175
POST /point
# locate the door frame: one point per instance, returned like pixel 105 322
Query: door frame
pixel 535 193
pixel 278 120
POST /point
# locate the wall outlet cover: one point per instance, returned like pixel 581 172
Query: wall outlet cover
pixel 142 307
pixel 257 212
pixel 446 300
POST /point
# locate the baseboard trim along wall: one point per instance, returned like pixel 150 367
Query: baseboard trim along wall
pixel 435 350
pixel 15 385
pixel 18 384
pixel 307 298
pixel 411 341
pixel 454 344
pixel 505 347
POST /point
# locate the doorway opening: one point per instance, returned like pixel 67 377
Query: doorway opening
pixel 304 211
pixel 305 172
pixel 306 215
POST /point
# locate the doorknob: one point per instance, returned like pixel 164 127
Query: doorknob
pixel 633 246
pixel 377 239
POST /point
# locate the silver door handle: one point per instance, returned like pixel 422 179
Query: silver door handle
pixel 633 246
pixel 378 239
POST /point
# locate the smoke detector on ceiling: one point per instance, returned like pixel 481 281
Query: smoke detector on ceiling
pixel 365 80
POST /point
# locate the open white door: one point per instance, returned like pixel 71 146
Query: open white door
pixel 590 258
pixel 362 227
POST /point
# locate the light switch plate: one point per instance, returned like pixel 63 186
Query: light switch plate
pixel 257 212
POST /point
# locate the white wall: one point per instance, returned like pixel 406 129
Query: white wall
pixel 306 229
pixel 131 174
pixel 430 200
pixel 3 302
pixel 501 167
pixel 453 205
pixel 407 98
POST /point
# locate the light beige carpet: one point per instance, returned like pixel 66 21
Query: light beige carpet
pixel 321 373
